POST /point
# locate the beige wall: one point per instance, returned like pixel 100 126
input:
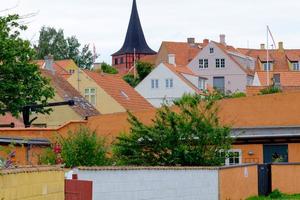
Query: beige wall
pixel 59 116
pixel 294 152
pixel 32 184
pixel 257 150
pixel 286 178
pixel 238 182
pixel 104 103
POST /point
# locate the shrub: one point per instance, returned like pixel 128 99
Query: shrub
pixel 270 90
pixel 106 68
pixel 276 194
pixel 47 157
pixel 83 148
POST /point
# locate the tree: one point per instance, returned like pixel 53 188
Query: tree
pixel 188 135
pixel 52 41
pixel 83 148
pixel 106 68
pixel 143 69
pixel 21 82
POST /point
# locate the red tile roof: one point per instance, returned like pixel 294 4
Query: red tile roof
pixel 66 91
pixel 184 52
pixel 287 78
pixel 118 89
pixel 59 66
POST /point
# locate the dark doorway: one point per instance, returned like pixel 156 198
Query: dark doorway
pixel 275 153
pixel 219 83
pixel 264 179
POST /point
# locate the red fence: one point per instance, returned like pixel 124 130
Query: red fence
pixel 78 190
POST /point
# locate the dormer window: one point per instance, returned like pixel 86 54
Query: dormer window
pixel 296 66
pixel 72 71
pixel 211 50
pixel 267 66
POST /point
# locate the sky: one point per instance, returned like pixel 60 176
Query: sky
pixel 104 22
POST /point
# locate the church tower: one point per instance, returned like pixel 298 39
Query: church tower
pixel 135 45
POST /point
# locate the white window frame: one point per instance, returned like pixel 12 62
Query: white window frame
pixel 222 63
pixel 203 63
pixel 211 50
pixel 296 66
pixel 201 83
pixel 227 160
pixel 154 83
pixel 88 95
pixel 218 63
pixel 267 64
pixel 169 83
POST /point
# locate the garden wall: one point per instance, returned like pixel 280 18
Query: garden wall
pixel 286 177
pixel 171 183
pixel 32 183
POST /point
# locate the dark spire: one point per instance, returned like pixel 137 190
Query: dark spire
pixel 135 38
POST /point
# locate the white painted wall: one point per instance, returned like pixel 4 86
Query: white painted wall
pixel 157 96
pixel 199 184
pixel 235 77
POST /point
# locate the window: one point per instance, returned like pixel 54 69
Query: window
pixel 203 63
pixel 169 83
pixel 267 66
pixel 219 83
pixel 90 95
pixel 217 63
pixel 116 61
pixel 201 84
pixel 232 157
pixel 296 66
pixel 276 79
pixel 223 63
pixel 154 83
pixel 211 50
pixel 72 71
pixel 121 60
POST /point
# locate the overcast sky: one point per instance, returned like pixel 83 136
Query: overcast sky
pixel 104 22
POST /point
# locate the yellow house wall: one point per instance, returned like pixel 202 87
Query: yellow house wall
pixel 104 102
pixel 46 185
pixel 59 116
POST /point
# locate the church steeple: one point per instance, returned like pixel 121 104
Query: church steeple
pixel 135 38
pixel 134 43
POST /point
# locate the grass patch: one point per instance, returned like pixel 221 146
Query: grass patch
pixel 276 194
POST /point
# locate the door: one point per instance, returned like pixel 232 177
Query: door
pixel 275 153
pixel 264 179
pixel 78 190
pixel 219 83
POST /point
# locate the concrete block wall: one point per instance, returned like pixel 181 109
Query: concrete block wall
pixel 152 183
pixel 45 183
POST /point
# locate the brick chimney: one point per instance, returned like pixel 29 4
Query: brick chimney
pixel 205 41
pixel 280 46
pixel 191 40
pixel 262 46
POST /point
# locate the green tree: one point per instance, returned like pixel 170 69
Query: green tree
pixel 83 148
pixel 143 69
pixel 188 135
pixel 21 82
pixel 106 68
pixel 54 42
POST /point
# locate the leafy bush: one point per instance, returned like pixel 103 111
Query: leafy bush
pixel 47 157
pixel 106 68
pixel 192 136
pixel 270 90
pixel 83 148
pixel 276 194
pixel 129 78
pixel 142 69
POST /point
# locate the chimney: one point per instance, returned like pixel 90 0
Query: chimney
pixel 205 41
pixel 280 46
pixel 222 39
pixel 262 46
pixel 171 59
pixel 49 63
pixel 191 40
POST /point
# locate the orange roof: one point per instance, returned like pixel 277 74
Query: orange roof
pixel 183 51
pixel 149 59
pixel 287 78
pixel 122 92
pixel 59 66
pixel 65 90
pixel 8 118
pixel 255 111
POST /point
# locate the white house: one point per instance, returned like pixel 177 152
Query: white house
pixel 224 66
pixel 168 82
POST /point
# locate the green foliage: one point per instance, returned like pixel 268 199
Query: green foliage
pixel 188 135
pixel 276 194
pixel 270 90
pixel 129 78
pixel 83 148
pixel 106 68
pixel 52 41
pixel 48 157
pixel 21 82
pixel 143 69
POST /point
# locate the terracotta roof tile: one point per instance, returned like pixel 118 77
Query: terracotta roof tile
pixel 59 67
pixel 256 111
pixel 149 59
pixel 65 90
pixel 122 92
pixel 288 78
pixel 183 51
